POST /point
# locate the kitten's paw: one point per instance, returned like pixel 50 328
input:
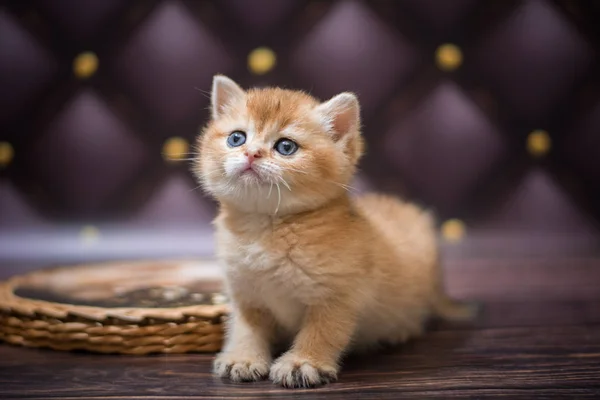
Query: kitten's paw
pixel 297 372
pixel 240 368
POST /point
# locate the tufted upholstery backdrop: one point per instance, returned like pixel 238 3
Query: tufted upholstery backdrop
pixel 486 111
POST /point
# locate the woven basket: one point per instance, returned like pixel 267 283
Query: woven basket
pixel 125 308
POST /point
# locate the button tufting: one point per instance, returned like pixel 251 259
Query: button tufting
pixel 85 65
pixel 538 143
pixel 444 126
pixel 448 57
pixel 6 154
pixel 261 60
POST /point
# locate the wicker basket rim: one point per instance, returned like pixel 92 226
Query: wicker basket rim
pixel 12 304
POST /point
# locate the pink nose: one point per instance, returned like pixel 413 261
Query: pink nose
pixel 253 155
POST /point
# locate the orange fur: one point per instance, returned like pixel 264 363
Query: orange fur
pixel 305 262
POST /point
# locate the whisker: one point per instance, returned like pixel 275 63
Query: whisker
pixel 196 188
pixel 183 153
pixel 347 187
pixel 204 92
pixel 181 159
pixel 342 185
pixel 214 172
pixel 297 170
pixel 285 183
pixel 278 198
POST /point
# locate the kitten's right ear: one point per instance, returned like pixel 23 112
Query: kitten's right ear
pixel 224 92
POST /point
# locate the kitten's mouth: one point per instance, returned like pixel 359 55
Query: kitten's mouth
pixel 251 174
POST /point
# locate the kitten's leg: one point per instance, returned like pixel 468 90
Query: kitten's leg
pixel 313 359
pixel 246 355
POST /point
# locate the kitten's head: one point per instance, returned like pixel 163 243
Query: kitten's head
pixel 277 151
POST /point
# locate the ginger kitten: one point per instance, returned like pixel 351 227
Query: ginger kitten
pixel 305 263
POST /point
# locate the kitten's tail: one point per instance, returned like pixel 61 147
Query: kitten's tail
pixel 451 310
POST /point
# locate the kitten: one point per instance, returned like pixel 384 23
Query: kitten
pixel 305 263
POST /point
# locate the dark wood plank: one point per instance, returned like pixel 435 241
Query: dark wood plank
pixel 528 394
pixel 446 362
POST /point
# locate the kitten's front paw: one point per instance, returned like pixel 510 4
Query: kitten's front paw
pixel 240 368
pixel 297 372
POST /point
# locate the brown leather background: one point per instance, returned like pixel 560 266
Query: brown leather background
pixel 89 151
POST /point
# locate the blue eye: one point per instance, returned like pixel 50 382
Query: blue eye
pixel 236 139
pixel 286 147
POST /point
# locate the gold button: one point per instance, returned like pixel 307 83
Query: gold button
pixel 85 65
pixel 7 154
pixel 89 234
pixel 448 57
pixel 261 60
pixel 175 149
pixel 538 143
pixel 453 230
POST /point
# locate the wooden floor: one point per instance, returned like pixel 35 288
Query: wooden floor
pixel 538 337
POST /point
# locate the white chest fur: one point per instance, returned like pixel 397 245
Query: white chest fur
pixel 267 289
pixel 266 277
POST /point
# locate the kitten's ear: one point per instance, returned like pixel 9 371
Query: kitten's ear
pixel 341 115
pixel 224 92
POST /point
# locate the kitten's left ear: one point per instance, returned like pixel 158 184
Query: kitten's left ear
pixel 224 92
pixel 341 115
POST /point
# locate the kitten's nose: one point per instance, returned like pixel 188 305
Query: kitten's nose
pixel 252 155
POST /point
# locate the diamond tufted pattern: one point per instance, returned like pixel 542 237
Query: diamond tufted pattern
pixel 440 17
pixel 164 56
pixel 450 140
pixel 354 47
pixel 582 145
pixel 80 20
pixel 260 16
pixel 89 150
pixel 25 67
pixel 533 58
pixel 174 204
pixel 87 154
